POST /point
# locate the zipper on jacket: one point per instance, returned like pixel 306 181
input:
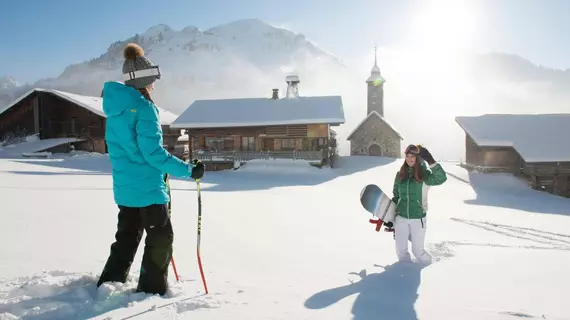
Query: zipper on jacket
pixel 408 192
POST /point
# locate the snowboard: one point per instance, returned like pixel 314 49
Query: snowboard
pixel 380 205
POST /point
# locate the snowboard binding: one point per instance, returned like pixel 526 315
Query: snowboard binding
pixel 389 226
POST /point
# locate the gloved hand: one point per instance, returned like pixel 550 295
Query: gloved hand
pixel 196 169
pixel 426 155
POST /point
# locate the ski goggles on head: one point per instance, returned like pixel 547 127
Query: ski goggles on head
pixel 153 71
pixel 412 149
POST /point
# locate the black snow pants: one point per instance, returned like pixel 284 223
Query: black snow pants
pixel 155 220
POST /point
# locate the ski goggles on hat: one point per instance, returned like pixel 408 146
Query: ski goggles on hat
pixel 412 149
pixel 152 71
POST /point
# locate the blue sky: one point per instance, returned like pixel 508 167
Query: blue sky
pixel 40 38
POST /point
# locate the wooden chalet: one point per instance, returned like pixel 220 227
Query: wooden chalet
pixel 536 147
pixel 67 119
pixel 228 130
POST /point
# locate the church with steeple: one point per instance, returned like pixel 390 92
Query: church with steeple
pixel 374 135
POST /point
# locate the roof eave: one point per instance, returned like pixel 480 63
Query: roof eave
pixel 20 98
pixel 491 144
pixel 381 118
pixel 62 95
pixel 198 125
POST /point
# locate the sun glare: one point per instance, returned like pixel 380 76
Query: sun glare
pixel 431 63
pixel 443 25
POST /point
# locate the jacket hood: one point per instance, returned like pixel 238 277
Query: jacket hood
pixel 117 97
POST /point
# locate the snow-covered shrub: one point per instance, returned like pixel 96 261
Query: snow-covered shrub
pixel 12 137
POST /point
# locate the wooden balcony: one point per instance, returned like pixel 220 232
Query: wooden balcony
pixel 243 156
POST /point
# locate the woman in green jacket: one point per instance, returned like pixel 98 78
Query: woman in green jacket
pixel 411 187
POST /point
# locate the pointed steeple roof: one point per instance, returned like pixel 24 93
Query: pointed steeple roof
pixel 375 75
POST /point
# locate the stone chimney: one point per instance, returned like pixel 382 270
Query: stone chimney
pixel 292 86
pixel 275 94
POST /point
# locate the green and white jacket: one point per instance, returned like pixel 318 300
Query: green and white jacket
pixel 411 197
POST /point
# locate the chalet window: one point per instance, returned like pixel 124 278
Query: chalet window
pixel 287 143
pixel 248 143
pixel 318 143
pixel 228 143
pixel 215 144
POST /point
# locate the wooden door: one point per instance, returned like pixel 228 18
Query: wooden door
pixel 375 150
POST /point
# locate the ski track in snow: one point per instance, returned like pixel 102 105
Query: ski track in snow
pixel 353 276
pixel 556 240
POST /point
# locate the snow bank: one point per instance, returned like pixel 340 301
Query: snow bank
pixel 280 166
pixel 33 145
pixel 36 154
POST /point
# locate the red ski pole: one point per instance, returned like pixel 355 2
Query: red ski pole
pixel 200 234
pixel 174 267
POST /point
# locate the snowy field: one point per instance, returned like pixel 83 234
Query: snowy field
pixel 285 241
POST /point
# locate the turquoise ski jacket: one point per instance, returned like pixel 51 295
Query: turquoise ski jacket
pixel 134 140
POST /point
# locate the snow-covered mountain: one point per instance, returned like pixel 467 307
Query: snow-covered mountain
pixel 242 58
pixel 7 82
pixel 248 58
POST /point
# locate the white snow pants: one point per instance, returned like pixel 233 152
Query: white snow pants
pixel 415 231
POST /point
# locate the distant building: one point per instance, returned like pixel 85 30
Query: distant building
pixel 536 147
pixel 67 119
pixel 293 126
pixel 374 135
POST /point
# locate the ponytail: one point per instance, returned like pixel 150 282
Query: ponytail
pixel 146 93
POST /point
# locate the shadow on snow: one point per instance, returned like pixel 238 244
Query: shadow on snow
pixel 245 178
pixel 250 178
pixel 390 294
pixel 507 191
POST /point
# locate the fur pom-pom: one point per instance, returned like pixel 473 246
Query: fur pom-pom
pixel 132 51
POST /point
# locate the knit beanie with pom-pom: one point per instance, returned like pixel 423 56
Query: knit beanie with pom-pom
pixel 138 71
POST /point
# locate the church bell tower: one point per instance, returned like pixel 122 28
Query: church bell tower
pixel 375 89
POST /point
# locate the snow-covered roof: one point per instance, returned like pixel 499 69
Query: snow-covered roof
pixel 374 113
pixel 93 104
pixel 261 112
pixel 536 137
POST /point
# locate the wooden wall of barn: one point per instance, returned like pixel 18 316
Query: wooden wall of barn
pixel 60 118
pixel 170 138
pixel 18 120
pixel 504 159
pixel 551 177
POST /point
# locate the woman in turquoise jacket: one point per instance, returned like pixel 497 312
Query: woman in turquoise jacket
pixel 134 140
